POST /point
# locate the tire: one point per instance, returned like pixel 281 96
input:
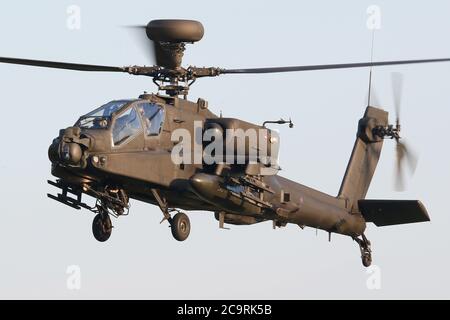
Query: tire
pixel 367 260
pixel 180 226
pixel 101 228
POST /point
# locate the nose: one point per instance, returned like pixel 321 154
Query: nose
pixel 71 153
pixel 66 153
pixel 67 148
pixel 53 153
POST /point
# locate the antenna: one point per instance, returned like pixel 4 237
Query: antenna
pixel 371 67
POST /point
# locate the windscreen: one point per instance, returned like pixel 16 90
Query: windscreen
pixel 100 117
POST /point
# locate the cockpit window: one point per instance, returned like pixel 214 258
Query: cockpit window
pixel 108 109
pixel 100 117
pixel 153 117
pixel 126 126
pixel 93 123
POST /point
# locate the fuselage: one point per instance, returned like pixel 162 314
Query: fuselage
pixel 97 152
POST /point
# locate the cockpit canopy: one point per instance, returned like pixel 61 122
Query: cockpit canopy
pixel 127 118
pixel 100 117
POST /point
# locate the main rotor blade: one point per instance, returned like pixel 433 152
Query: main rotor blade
pixel 154 48
pixel 147 46
pixel 61 65
pixel 328 66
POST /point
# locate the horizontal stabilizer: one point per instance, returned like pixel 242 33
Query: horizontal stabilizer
pixel 392 212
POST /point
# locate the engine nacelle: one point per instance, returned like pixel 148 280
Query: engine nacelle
pixel 242 142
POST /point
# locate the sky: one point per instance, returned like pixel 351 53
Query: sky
pixel 45 244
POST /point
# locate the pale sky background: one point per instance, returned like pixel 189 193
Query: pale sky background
pixel 40 238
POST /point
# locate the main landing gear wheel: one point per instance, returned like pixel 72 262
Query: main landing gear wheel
pixel 180 226
pixel 101 227
pixel 366 252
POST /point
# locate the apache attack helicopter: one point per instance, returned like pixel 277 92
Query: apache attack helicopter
pixel 123 150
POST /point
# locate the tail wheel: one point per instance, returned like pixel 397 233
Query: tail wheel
pixel 366 251
pixel 366 260
pixel 180 226
pixel 101 227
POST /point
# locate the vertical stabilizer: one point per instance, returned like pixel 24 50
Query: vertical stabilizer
pixel 364 159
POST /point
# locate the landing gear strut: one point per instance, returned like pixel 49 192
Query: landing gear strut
pixel 179 224
pixel 111 201
pixel 366 252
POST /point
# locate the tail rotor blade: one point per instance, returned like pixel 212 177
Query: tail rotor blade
pixel 410 158
pixel 404 155
pixel 397 90
pixel 399 183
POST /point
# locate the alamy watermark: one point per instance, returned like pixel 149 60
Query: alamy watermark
pixel 73 281
pixel 373 282
pixel 73 21
pixel 230 146
pixel 373 21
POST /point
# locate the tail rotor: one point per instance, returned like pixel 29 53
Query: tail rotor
pixel 403 153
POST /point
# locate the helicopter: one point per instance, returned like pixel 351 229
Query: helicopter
pixel 142 149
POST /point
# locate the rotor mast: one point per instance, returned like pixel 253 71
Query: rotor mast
pixel 169 38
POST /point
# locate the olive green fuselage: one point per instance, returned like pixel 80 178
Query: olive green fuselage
pixel 145 163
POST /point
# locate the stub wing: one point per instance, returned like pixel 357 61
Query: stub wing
pixel 392 212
